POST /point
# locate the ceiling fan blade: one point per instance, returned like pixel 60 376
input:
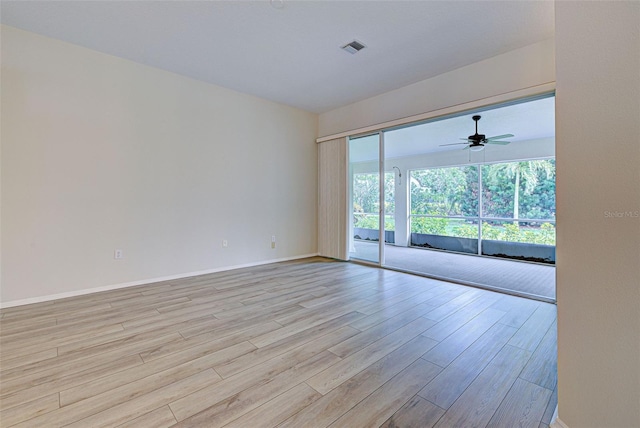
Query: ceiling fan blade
pixel 452 144
pixel 503 143
pixel 466 139
pixel 500 137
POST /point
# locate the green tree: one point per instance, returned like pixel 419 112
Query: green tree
pixel 366 193
pixel 541 203
pixel 525 175
pixel 366 200
pixel 445 191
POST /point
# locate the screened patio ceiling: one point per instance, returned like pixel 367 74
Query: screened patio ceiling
pixel 533 120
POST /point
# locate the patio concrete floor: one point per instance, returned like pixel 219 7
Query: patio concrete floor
pixel 514 277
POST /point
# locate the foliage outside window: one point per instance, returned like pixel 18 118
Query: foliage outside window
pixel 519 190
pixel 523 232
pixel 366 201
pixel 443 193
pixel 523 191
pixel 446 201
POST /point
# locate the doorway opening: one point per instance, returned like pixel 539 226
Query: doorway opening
pixel 448 208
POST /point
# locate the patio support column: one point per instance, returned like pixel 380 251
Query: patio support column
pixel 402 234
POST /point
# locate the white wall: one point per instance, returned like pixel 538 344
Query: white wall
pixel 598 175
pixel 516 70
pixel 100 153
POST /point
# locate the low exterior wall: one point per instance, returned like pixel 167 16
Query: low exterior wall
pixel 450 243
pixel 373 235
pixel 520 250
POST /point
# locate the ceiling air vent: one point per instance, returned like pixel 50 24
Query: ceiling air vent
pixel 353 47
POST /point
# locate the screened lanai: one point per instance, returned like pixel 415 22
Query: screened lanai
pixel 479 214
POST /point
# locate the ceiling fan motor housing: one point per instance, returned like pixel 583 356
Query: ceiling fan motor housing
pixel 477 138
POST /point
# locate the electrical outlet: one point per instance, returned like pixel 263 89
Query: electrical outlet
pixel 273 241
pixel 117 254
pixel 225 243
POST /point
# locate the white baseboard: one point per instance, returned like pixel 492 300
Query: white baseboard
pixel 41 299
pixel 556 422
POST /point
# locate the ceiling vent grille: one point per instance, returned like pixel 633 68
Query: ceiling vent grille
pixel 353 47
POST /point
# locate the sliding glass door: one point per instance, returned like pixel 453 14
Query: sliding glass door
pixel 366 200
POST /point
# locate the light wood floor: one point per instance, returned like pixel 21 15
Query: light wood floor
pixel 311 343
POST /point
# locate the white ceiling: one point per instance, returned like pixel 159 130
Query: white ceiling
pixel 292 55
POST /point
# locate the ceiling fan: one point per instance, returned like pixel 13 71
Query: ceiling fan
pixel 477 141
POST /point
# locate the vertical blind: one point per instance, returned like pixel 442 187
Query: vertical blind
pixel 332 199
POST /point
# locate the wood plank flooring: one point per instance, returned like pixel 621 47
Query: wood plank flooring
pixel 307 343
